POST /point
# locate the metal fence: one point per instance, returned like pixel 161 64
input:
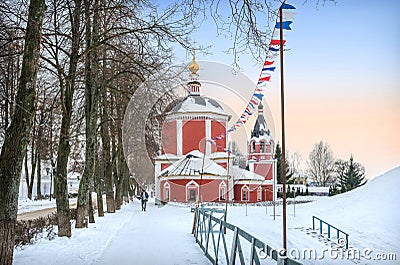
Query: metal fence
pixel 223 242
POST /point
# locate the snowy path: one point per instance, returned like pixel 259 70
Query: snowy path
pixel 152 237
pixel 130 236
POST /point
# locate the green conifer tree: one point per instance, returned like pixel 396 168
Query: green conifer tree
pixel 289 171
pixel 350 174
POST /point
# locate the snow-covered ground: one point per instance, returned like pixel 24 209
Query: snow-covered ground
pixel 26 205
pixel 369 214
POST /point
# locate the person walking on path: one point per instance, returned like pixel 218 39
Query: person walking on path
pixel 144 197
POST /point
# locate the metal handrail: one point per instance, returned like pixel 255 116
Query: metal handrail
pixel 210 233
pixel 338 231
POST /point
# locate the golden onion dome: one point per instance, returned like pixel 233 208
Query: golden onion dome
pixel 193 66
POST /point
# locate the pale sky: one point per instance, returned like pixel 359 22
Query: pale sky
pixel 342 76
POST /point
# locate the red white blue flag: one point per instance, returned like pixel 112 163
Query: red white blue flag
pixel 268 67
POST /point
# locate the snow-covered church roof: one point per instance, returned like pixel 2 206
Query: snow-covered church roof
pixel 192 164
pixel 243 174
pixel 199 104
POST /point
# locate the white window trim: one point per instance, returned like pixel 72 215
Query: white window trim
pixel 259 193
pixel 223 194
pixel 245 187
pixel 167 187
pixel 191 183
pixel 253 150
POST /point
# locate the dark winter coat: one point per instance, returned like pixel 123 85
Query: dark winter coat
pixel 144 196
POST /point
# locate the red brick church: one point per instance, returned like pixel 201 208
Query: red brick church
pixel 191 168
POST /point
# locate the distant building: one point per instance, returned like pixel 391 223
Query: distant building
pixel 184 174
pixel 299 179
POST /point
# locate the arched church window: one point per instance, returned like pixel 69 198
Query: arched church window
pixel 166 191
pixel 245 193
pixel 222 191
pixel 192 189
pixel 262 147
pixel 253 147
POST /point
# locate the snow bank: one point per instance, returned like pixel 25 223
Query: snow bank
pixel 369 214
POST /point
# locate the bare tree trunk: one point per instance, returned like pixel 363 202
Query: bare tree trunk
pixel 40 151
pixel 96 77
pixel 100 208
pixel 105 127
pixel 99 190
pixel 105 139
pixel 122 171
pixel 39 177
pixel 116 177
pixel 126 184
pixel 17 134
pixel 118 194
pixel 64 148
pixel 91 210
pixel 27 172
pixel 115 169
pixel 91 108
pixel 33 161
pixel 60 180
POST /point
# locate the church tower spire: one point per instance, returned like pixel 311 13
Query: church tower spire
pixel 260 127
pixel 193 84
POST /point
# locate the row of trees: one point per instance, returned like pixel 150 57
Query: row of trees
pixel 68 70
pixel 341 175
pixel 324 170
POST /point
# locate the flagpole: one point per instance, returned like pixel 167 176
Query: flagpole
pixel 283 131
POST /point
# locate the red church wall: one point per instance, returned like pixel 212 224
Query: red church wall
pixel 237 192
pixel 192 133
pixel 266 193
pixel 252 193
pixel 168 140
pixel 264 170
pixel 218 128
pixel 209 189
pixel 176 191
